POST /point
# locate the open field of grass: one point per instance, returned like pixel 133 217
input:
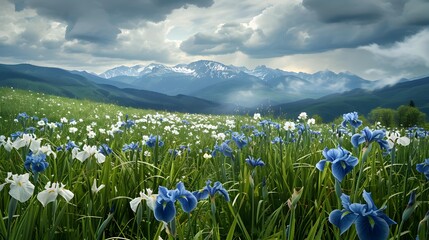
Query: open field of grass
pixel 108 160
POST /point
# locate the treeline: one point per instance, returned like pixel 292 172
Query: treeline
pixel 404 116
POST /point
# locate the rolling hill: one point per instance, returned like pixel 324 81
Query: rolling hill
pixel 362 101
pixel 64 83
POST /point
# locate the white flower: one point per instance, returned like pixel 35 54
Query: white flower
pixel 63 120
pixel 302 116
pixel 395 137
pixel 311 121
pixel 7 144
pixel 289 126
pixel 89 151
pixel 27 140
pixel 91 134
pixel 94 188
pixel 52 125
pixel 46 149
pixel 41 123
pixel 146 153
pixel 257 116
pixel 207 156
pixel 150 200
pixel 20 187
pixel 72 130
pixel 51 192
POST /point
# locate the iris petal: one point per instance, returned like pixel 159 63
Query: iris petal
pixel 165 211
pixel 188 202
pixel 372 228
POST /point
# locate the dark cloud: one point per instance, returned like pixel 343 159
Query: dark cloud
pixel 101 20
pixel 331 11
pixel 234 34
pixel 316 26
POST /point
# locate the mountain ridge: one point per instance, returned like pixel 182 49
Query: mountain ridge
pixel 203 79
pixel 83 85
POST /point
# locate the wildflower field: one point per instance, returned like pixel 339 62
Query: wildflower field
pixel 73 169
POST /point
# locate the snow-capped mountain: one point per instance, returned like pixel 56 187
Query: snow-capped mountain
pixel 221 83
pixel 122 71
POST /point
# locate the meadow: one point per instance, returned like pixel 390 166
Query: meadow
pixel 75 169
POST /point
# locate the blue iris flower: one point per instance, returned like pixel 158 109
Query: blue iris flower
pixel 70 145
pixel 257 133
pixel 254 162
pixel 16 135
pixel 369 136
pixel 352 119
pixel 211 191
pixel 240 139
pixel 30 130
pixel 132 147
pixel 105 149
pixel 277 140
pixel 23 116
pixel 371 222
pixel 152 141
pixel 341 159
pixel 424 168
pixel 164 206
pixel 36 162
pixel 224 148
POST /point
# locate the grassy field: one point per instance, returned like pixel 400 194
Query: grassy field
pixel 287 197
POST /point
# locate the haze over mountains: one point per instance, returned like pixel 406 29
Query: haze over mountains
pixel 212 87
pixel 217 82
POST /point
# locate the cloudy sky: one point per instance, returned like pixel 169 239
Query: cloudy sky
pixel 376 39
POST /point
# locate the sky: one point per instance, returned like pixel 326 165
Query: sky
pixel 382 39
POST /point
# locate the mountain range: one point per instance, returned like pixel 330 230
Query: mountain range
pixel 212 87
pixel 217 82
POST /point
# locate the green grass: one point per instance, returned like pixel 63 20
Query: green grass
pixel 258 208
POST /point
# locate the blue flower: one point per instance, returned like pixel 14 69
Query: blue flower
pixel 424 168
pixel 254 162
pixel 224 148
pixel 257 133
pixel 185 148
pixel 277 140
pixel 16 135
pixel 369 136
pixel 371 222
pixel 173 152
pixel 30 130
pixel 70 145
pixel 128 123
pixel 132 146
pixel 22 116
pixel 240 140
pixel 211 191
pixel 164 206
pixel 341 159
pixel 352 119
pixel 152 141
pixel 105 149
pixel 36 162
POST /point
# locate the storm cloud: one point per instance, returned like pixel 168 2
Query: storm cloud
pixel 374 39
pixel 316 26
pixel 101 21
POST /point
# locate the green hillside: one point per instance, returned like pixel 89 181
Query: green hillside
pixel 362 101
pixel 63 83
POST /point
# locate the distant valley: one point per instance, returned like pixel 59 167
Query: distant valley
pixel 217 82
pixel 215 88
